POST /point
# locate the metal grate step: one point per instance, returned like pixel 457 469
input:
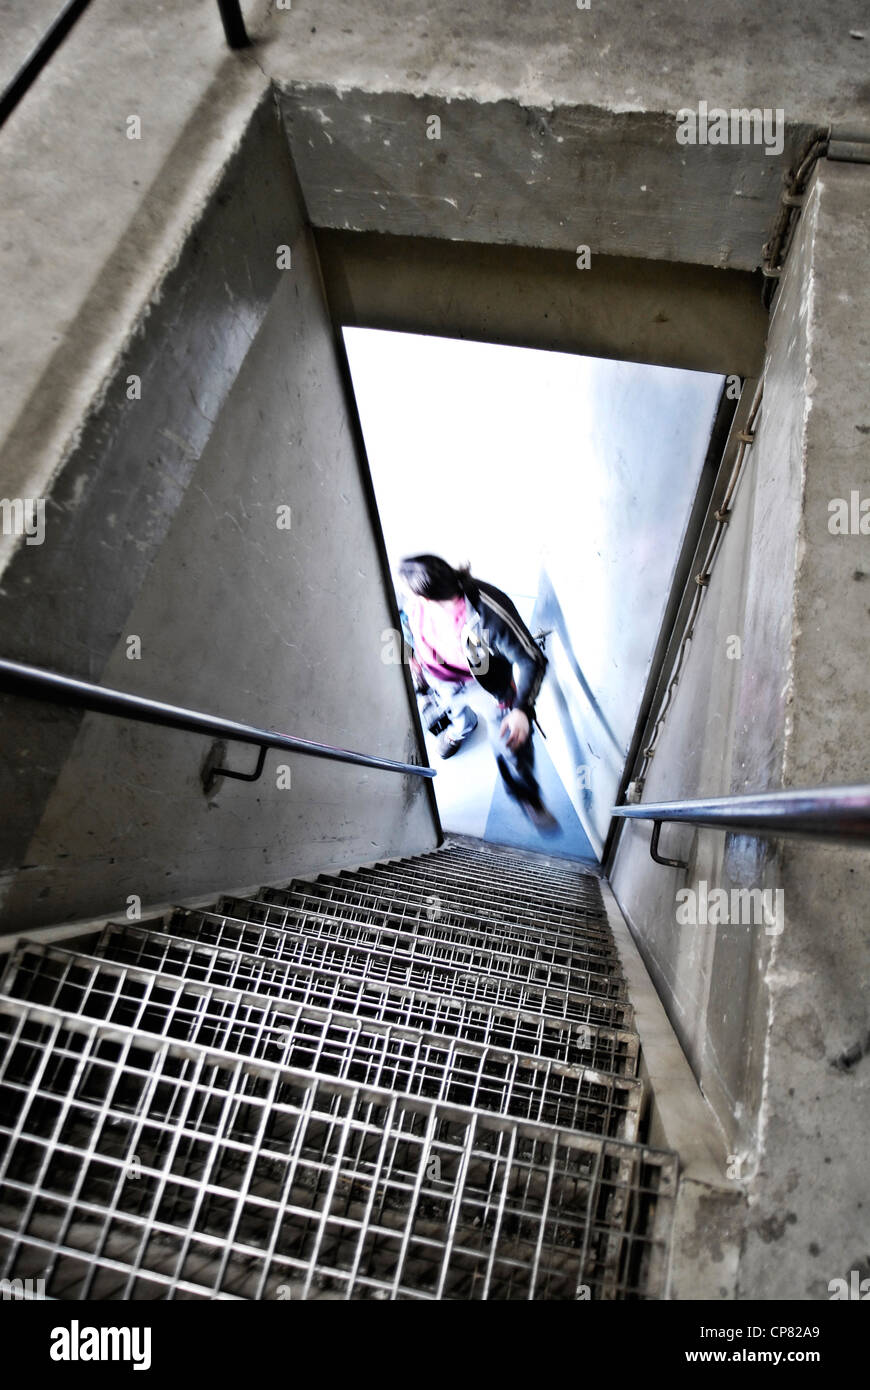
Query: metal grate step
pixel 410 1060
pixel 322 917
pixel 442 906
pixel 416 1080
pixel 540 1033
pixel 332 941
pixel 546 885
pixel 488 892
pixel 148 1168
pixel 268 975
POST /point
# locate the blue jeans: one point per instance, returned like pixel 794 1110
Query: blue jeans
pixel 517 766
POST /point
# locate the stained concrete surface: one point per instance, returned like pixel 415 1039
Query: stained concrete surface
pixel 22 26
pixel 776 1025
pixel 615 181
pixel 167 518
pixel 612 56
pixel 811 1199
pixel 91 222
pixel 114 502
pixel 557 123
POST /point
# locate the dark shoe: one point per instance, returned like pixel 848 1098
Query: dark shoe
pixel 542 820
pixel 448 744
pixel 434 716
pixel 452 739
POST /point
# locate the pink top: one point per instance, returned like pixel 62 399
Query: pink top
pixel 437 630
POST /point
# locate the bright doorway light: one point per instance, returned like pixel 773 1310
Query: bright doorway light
pixel 566 481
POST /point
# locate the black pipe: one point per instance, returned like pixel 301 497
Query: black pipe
pixel 234 24
pixel 830 813
pixel 35 683
pixel 231 17
pixel 32 67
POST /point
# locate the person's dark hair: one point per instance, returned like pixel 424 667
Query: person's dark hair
pixel 431 577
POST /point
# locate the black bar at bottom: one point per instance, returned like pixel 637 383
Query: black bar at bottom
pixel 234 24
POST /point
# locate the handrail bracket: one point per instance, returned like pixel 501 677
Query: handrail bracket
pixel 213 768
pixel 660 858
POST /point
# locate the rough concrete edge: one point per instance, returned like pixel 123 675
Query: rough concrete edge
pixel 709 1208
pixel 523 95
pixel 706 1243
pixel 687 1121
pixel 806 227
pixel 132 307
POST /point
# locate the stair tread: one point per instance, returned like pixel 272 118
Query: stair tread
pixel 286 942
pixel 265 974
pixel 417 1079
pixel 408 1060
pixel 586 1045
pixel 280 1149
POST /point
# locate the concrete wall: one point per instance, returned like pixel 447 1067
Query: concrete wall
pixel 92 221
pixel 775 1024
pixel 510 172
pixel 694 758
pixel 162 525
pixel 611 56
pixel 810 1197
pixel 631 310
pixel 22 25
pixel 614 538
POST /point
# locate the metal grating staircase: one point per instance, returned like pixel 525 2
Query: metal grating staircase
pixel 416 1081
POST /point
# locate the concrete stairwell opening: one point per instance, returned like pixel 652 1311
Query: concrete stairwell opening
pixel 419 1079
pixel 264 1034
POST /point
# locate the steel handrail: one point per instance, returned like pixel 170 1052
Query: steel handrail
pixel 833 813
pixel 36 683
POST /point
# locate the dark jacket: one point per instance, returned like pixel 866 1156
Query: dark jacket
pixel 496 639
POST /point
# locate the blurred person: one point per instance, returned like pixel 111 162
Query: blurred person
pixel 439 687
pixel 463 629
